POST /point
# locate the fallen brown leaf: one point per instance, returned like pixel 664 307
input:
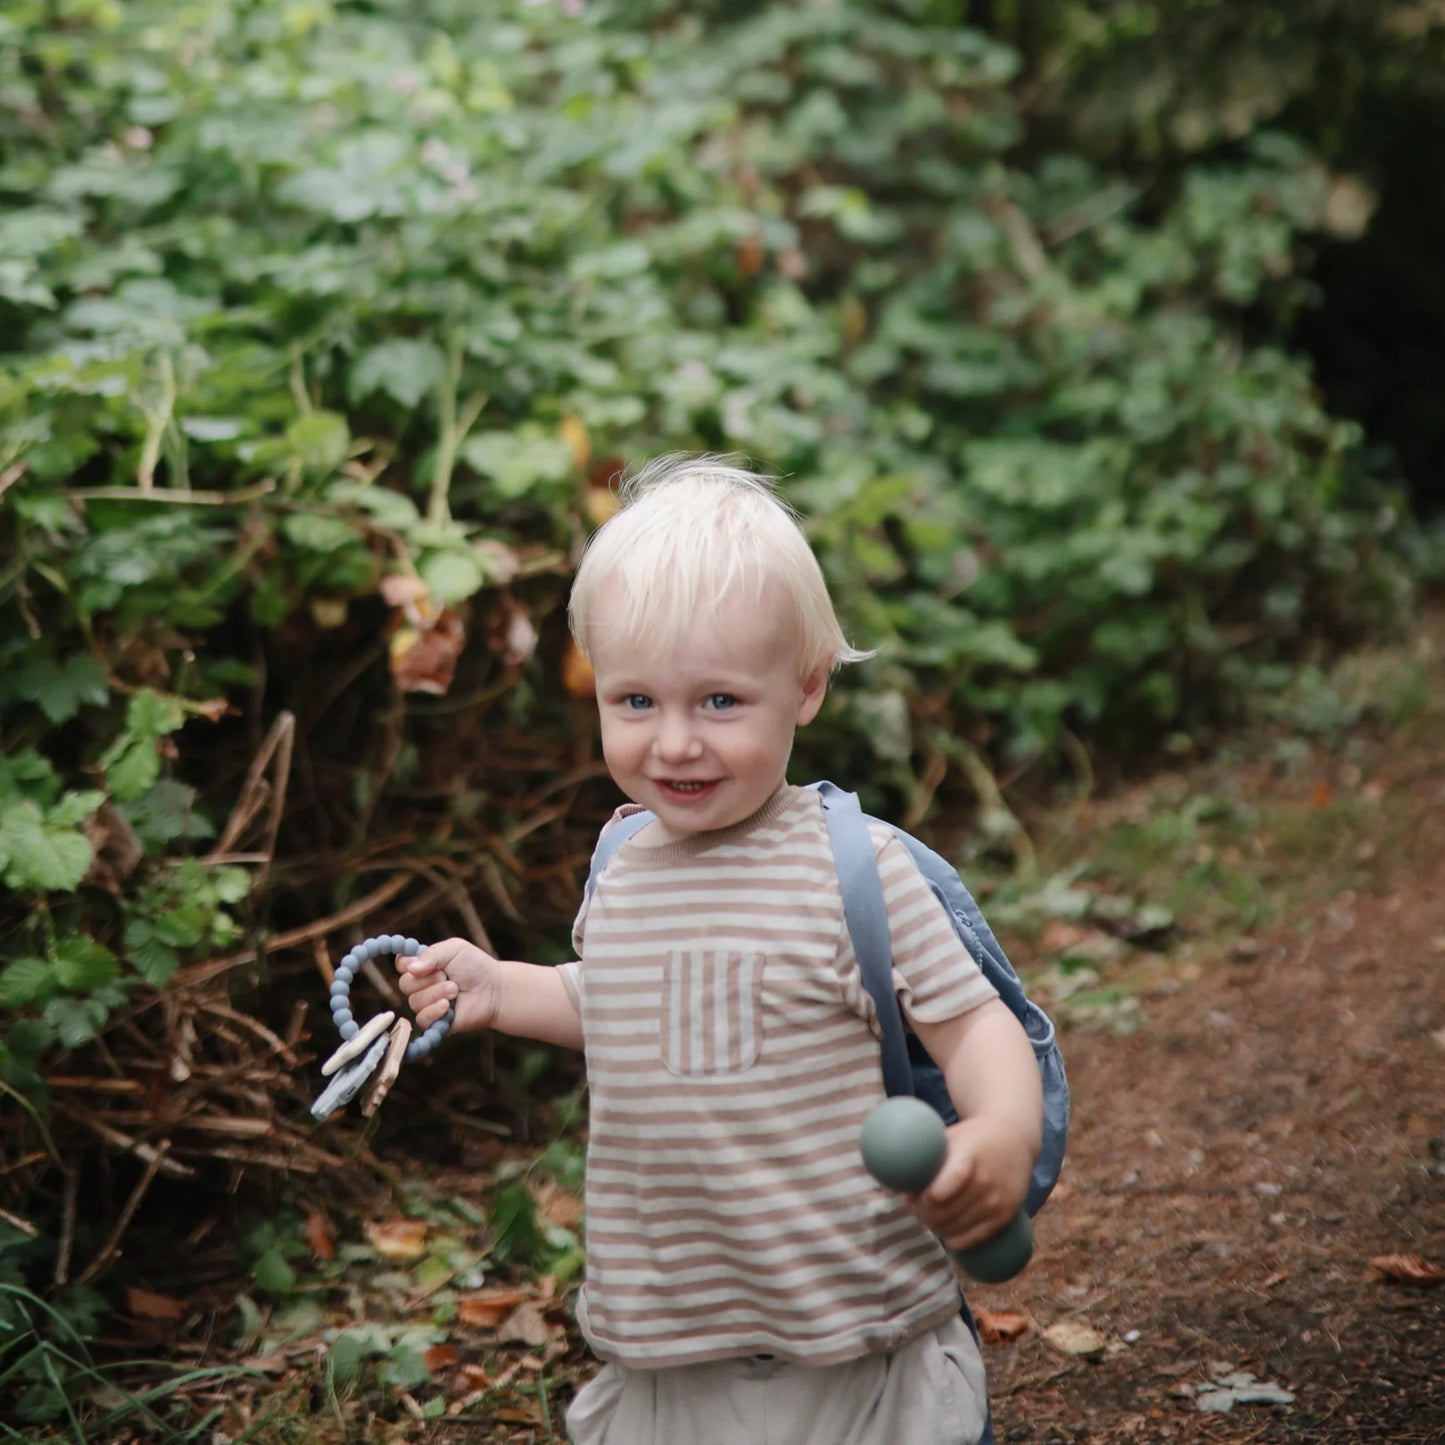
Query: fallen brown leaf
pixel 998 1327
pixel 1408 1269
pixel 525 1325
pixel 486 1309
pixel 557 1206
pixel 600 503
pixel 398 1239
pixel 320 1235
pixel 424 659
pixel 146 1305
pixel 438 1357
pixel 577 675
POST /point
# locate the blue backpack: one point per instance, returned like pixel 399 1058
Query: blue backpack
pixel 907 1068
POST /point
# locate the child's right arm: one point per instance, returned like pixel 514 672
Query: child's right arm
pixel 490 993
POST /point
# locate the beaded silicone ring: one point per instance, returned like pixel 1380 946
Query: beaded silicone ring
pixel 341 1015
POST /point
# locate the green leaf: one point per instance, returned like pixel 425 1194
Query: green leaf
pixel 62 689
pixel 347 1352
pixel 184 926
pixel 82 964
pixel 152 714
pixel 22 1046
pixel 132 764
pixel 517 463
pixel 403 368
pixel 166 812
pixel 320 440
pixel 33 855
pixel 319 533
pixel 154 960
pixel 231 885
pixel 404 1368
pixel 390 508
pixel 75 1020
pixel 73 809
pixel 272 1274
pixel 25 774
pixel 27 981
pixel 452 576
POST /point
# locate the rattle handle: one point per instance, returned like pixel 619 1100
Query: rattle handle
pixel 903 1144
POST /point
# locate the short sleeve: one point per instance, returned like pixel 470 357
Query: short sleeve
pixel 934 975
pixel 572 972
pixel 571 976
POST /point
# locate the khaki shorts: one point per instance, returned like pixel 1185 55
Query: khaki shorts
pixel 930 1392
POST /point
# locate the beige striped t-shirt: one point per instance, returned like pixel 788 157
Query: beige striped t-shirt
pixel 732 1057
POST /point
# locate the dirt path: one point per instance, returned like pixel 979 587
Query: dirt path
pixel 1236 1164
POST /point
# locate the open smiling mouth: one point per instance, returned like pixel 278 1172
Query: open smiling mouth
pixel 686 789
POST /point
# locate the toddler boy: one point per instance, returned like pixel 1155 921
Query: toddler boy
pixel 747 1282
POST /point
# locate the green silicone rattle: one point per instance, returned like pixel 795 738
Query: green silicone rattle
pixel 903 1145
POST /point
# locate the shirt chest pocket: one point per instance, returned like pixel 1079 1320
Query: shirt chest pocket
pixel 711 1011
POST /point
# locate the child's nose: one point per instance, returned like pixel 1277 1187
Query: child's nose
pixel 676 739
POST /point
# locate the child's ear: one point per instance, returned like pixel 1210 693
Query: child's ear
pixel 815 689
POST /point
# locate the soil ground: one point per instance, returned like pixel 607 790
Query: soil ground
pixel 1276 1123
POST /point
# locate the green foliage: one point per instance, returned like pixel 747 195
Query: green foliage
pixel 297 296
pixel 54 1390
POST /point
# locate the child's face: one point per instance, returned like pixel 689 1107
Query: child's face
pixel 700 733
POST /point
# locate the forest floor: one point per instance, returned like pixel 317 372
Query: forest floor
pixel 1257 1172
pixel 1246 957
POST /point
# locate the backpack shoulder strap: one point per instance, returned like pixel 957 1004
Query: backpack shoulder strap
pixel 866 915
pixel 611 840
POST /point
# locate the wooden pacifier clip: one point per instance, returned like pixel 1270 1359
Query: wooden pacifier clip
pixel 373 1051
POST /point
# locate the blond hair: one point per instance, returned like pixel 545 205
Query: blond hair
pixel 691 534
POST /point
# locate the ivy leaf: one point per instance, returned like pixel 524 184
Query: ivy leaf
pixel 184 926
pixel 26 774
pixel 145 951
pixel 272 1274
pixel 27 981
pixel 347 1352
pixel 320 440
pixel 75 1020
pixel 34 855
pixel 131 765
pixel 517 463
pixel 452 576
pixel 152 714
pixel 24 1043
pixel 74 808
pixel 318 534
pixel 62 689
pixel 166 812
pixel 231 885
pixel 83 965
pixel 403 368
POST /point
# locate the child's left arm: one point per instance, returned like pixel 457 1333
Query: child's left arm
pixel 993 1080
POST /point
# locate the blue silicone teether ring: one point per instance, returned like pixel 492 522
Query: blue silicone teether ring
pixel 341 1014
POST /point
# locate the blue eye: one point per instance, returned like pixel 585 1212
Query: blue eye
pixel 636 701
pixel 722 701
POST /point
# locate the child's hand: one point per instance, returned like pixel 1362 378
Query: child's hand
pixel 981 1186
pixel 452 971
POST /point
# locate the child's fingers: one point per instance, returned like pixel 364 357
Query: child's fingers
pixel 432 1006
pixel 426 962
pixel 435 957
